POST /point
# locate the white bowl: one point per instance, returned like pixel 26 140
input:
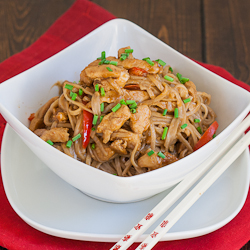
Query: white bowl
pixel 25 93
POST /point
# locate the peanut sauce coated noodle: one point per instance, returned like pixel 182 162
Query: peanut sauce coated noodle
pixel 125 116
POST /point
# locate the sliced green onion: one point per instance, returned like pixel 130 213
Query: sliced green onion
pixel 101 117
pixel 80 92
pixel 133 111
pixel 160 62
pixel 151 153
pixel 109 69
pixel 164 112
pixel 183 126
pixel 170 69
pixel 149 62
pixel 74 96
pixel 98 58
pixel 102 91
pixel 76 137
pixel 197 120
pixel 68 86
pixel 71 93
pixel 114 174
pixel 93 128
pixel 161 155
pixel 123 102
pixel 102 106
pixel 97 88
pixel 103 55
pixel 95 119
pixel 199 130
pixel 168 78
pixel 184 80
pixel 50 142
pixel 187 100
pixel 164 134
pixel 114 63
pixel 179 76
pixel 106 62
pixel 93 145
pixel 130 102
pixel 68 144
pixel 102 61
pixel 123 57
pixel 176 113
pixel 116 107
pixel 129 50
pixel 146 58
pixel 214 135
pixel 133 106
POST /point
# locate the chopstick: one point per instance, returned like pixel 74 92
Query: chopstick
pixel 183 186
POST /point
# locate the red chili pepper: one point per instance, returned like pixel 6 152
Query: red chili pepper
pixel 207 136
pixel 32 116
pixel 132 87
pixel 86 125
pixel 138 71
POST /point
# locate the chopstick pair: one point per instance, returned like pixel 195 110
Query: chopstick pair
pixel 183 186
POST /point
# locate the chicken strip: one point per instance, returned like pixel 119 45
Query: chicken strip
pixel 113 121
pixel 54 134
pixel 140 121
pixel 154 161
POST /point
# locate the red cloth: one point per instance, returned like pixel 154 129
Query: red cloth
pixel 79 20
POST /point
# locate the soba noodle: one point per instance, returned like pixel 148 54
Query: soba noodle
pixel 125 116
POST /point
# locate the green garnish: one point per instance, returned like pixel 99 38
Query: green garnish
pixel 123 57
pixel 176 113
pixel 106 62
pixel 170 69
pixel 102 91
pixel 130 102
pixel 179 76
pixel 95 119
pixel 133 105
pixel 101 117
pixel 93 145
pixel 161 155
pixel 197 120
pixel 71 93
pixel 123 102
pixel 97 88
pixel 93 128
pixel 183 126
pixel 102 106
pixel 76 137
pixel 129 50
pixel 116 107
pixel 80 92
pixel 68 144
pixel 146 58
pixel 164 134
pixel 149 62
pixel 164 112
pixel 168 78
pixel 133 111
pixel 184 80
pixel 114 63
pixel 68 86
pixel 50 142
pixel 199 130
pixel 187 100
pixel 103 55
pixel 160 62
pixel 109 69
pixel 74 95
pixel 151 153
pixel 214 135
pixel 102 61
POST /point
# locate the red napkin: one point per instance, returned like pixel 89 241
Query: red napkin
pixel 79 20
